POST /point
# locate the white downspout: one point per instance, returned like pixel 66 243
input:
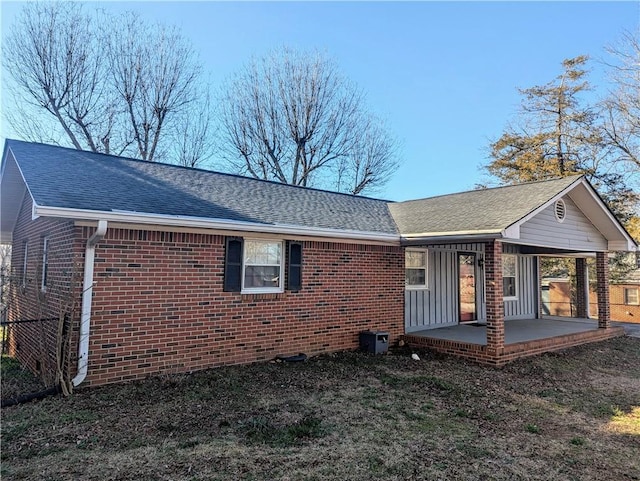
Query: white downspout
pixel 87 295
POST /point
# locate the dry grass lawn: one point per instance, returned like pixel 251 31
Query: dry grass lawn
pixel 573 415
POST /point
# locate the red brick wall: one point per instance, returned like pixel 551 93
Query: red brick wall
pixel 619 310
pixel 159 306
pixel 35 343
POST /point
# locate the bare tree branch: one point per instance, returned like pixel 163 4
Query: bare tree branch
pixel 293 118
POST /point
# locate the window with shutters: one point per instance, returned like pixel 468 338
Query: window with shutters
pixel 256 266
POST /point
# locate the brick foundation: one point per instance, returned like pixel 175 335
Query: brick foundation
pixel 482 355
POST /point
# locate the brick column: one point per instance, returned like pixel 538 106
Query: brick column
pixel 581 288
pixel 495 302
pixel 602 269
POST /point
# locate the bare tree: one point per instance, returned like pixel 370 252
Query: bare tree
pixel 194 141
pixel 621 109
pixel 53 57
pixel 111 84
pixel 293 118
pixel 154 75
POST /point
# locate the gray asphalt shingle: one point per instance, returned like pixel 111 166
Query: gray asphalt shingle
pixel 488 210
pixel 68 178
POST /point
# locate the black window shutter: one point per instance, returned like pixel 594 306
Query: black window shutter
pixel 233 265
pixel 294 273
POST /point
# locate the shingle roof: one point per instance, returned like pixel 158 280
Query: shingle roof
pixel 68 178
pixel 485 210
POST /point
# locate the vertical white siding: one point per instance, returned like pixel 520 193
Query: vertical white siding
pixel 525 306
pixel 437 306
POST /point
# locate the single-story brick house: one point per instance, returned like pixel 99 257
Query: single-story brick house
pixel 159 268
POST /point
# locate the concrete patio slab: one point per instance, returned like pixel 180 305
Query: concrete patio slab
pixel 515 331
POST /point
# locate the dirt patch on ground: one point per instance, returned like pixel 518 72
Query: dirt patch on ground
pixel 569 415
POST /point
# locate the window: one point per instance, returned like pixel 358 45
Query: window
pixel 415 263
pixel 262 270
pixel 509 276
pixel 45 263
pixel 25 264
pixel 631 297
pixel 257 265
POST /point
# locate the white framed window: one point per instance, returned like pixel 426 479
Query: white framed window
pixel 631 297
pixel 262 269
pixel 45 264
pixel 25 264
pixel 415 268
pixel 509 276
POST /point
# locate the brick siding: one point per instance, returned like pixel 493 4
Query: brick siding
pixel 482 355
pixel 35 343
pixel 159 306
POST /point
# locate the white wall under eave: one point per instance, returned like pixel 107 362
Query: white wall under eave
pixel 575 232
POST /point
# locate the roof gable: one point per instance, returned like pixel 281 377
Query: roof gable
pixel 501 212
pixel 483 211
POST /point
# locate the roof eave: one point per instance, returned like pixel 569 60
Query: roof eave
pixel 446 238
pixel 214 224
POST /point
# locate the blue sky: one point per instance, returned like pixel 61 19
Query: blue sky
pixel 444 75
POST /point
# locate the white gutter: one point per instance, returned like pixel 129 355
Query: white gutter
pixel 87 296
pixel 220 224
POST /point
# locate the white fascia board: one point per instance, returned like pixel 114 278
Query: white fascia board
pixel 427 235
pixel 629 246
pixel 218 224
pixel 435 238
pixel 512 232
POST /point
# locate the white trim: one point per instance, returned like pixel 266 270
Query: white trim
pixel 262 290
pixel 452 234
pixel 222 224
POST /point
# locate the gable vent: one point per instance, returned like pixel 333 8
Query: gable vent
pixel 560 209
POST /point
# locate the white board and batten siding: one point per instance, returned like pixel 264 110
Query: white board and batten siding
pixel 437 305
pixel 525 306
pixel 575 232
